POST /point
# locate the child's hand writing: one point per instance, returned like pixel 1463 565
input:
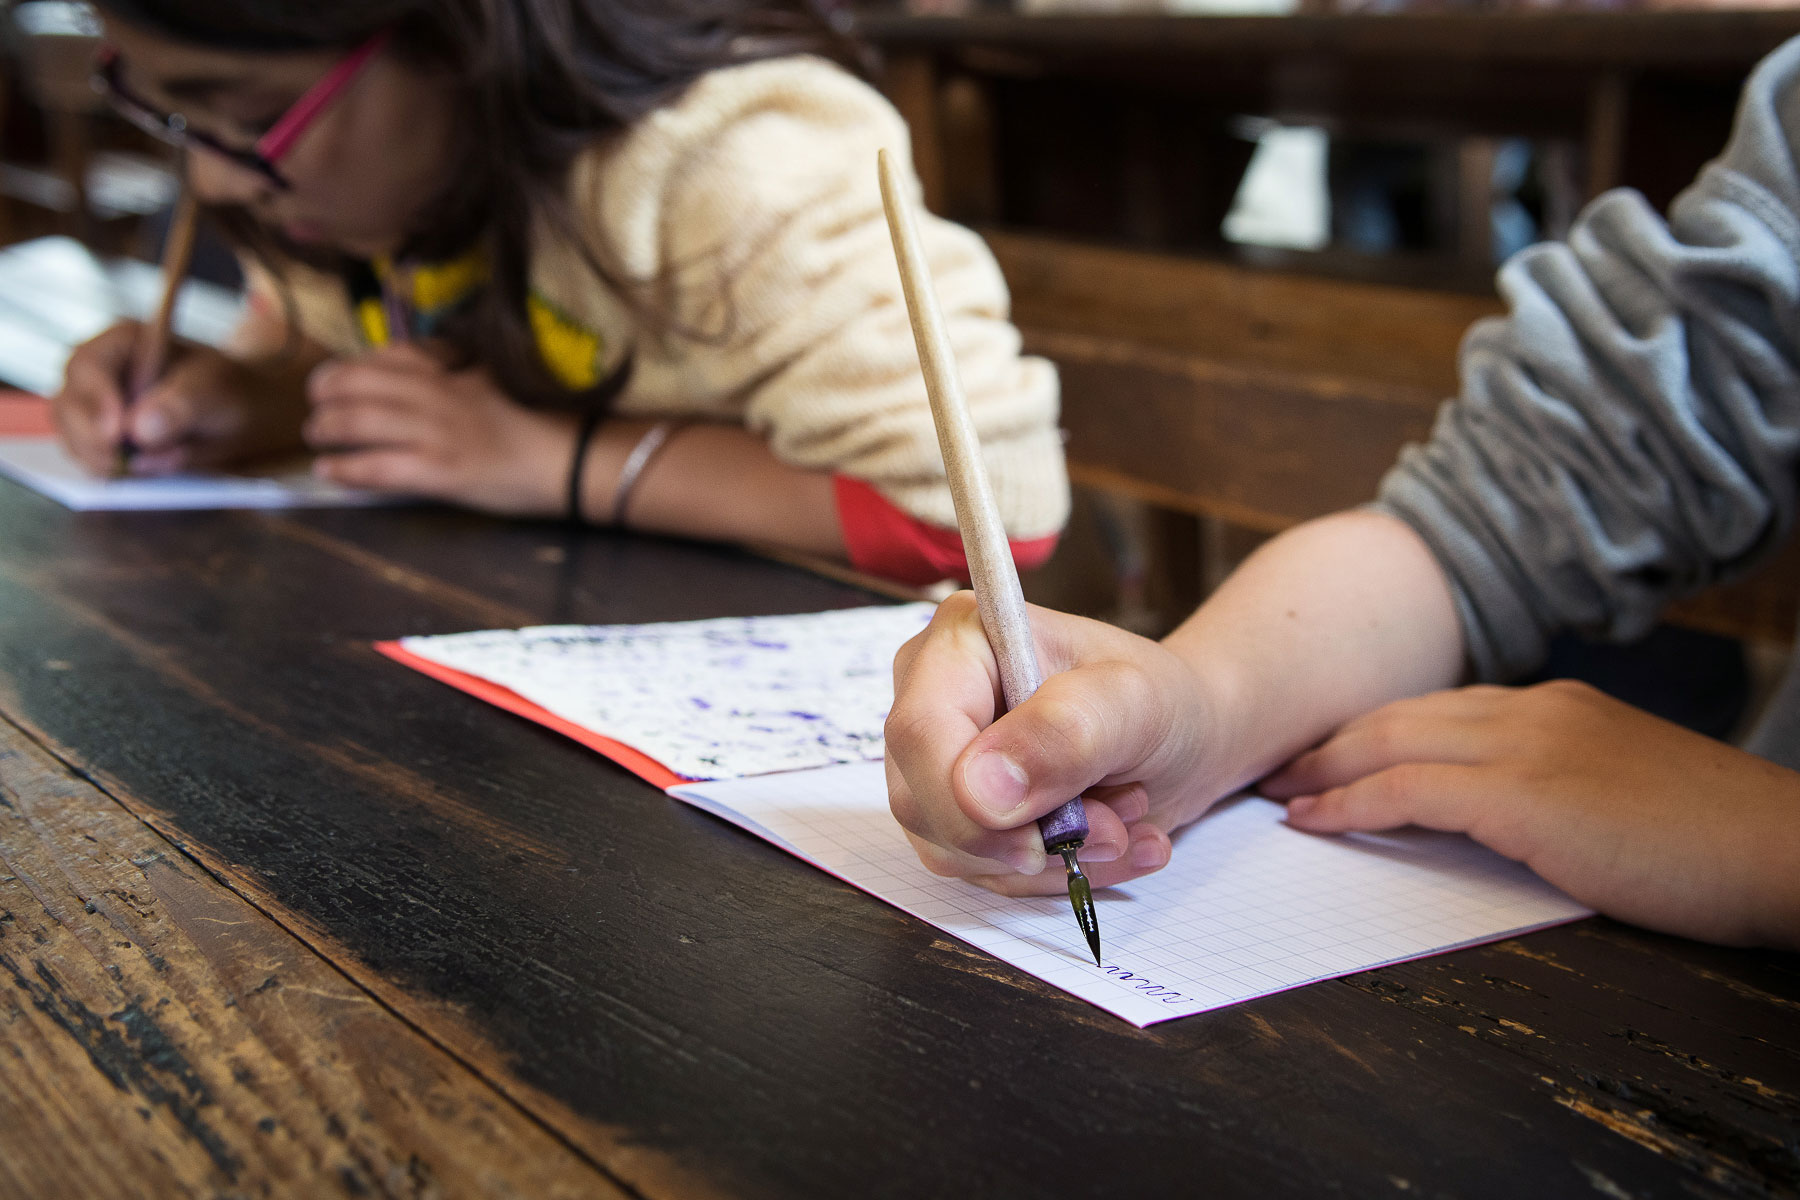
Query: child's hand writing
pixel 1641 819
pixel 207 409
pixel 397 420
pixel 1118 718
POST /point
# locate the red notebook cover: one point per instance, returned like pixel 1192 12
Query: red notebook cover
pixel 635 761
pixel 25 415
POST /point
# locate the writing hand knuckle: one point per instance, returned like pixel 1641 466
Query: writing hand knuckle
pixel 1069 726
pixel 958 606
pixel 905 808
pixel 904 658
pixel 907 730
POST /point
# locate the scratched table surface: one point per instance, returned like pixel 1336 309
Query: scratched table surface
pixel 279 917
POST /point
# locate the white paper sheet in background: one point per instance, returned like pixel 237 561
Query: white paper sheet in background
pixel 707 699
pixel 54 295
pixel 1247 907
pixel 41 465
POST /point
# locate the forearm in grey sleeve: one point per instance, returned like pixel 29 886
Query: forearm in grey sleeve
pixel 1628 434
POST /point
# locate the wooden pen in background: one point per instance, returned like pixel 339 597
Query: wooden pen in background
pixel 150 354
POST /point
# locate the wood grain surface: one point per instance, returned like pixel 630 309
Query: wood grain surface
pixel 681 1008
pixel 162 1037
pixel 1238 315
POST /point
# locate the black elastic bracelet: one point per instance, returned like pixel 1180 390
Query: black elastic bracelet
pixel 599 402
pixel 584 436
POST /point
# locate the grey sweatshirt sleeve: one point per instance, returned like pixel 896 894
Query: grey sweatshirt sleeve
pixel 1628 434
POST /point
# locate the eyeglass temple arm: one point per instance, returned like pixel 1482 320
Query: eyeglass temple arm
pixel 279 140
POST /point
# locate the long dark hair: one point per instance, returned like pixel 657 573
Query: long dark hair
pixel 540 80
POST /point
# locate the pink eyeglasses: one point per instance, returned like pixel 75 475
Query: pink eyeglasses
pixel 271 147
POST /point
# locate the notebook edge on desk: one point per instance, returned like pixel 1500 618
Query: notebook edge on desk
pixel 222 492
pixel 633 760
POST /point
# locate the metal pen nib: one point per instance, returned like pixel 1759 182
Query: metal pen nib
pixel 1081 899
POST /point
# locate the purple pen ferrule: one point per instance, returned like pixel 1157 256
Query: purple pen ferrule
pixel 1066 825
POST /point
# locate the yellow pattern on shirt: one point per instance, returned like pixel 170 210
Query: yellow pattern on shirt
pixel 571 352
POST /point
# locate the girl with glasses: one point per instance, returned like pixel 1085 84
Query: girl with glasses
pixel 619 259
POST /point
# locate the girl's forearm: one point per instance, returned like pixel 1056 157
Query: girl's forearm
pixel 717 482
pixel 1328 621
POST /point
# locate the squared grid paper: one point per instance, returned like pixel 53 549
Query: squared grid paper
pixel 1246 908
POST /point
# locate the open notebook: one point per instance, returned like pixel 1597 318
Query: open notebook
pixel 54 295
pixel 774 724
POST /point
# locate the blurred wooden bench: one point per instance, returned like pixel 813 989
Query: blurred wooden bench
pixel 1262 399
pixel 99 177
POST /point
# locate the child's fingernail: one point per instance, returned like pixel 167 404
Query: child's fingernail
pixel 1147 854
pixel 1300 806
pixel 1025 862
pixel 996 783
pixel 1101 851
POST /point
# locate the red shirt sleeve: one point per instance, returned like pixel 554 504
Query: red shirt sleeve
pixel 884 541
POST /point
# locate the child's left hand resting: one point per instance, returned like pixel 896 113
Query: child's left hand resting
pixel 397 420
pixel 1631 815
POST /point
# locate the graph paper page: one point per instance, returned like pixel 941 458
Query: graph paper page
pixel 1247 907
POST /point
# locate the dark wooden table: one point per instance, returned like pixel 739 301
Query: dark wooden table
pixel 278 917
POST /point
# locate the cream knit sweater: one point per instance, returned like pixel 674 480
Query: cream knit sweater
pixel 750 209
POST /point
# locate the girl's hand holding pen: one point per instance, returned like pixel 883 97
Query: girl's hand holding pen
pixel 205 409
pixel 1117 718
pixel 398 420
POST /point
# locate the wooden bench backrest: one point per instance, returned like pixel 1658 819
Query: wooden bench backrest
pixel 1241 315
pixel 1265 399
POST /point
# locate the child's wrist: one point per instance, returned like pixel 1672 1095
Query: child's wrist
pixel 1775 887
pixel 602 467
pixel 525 476
pixel 575 499
pixel 1214 701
